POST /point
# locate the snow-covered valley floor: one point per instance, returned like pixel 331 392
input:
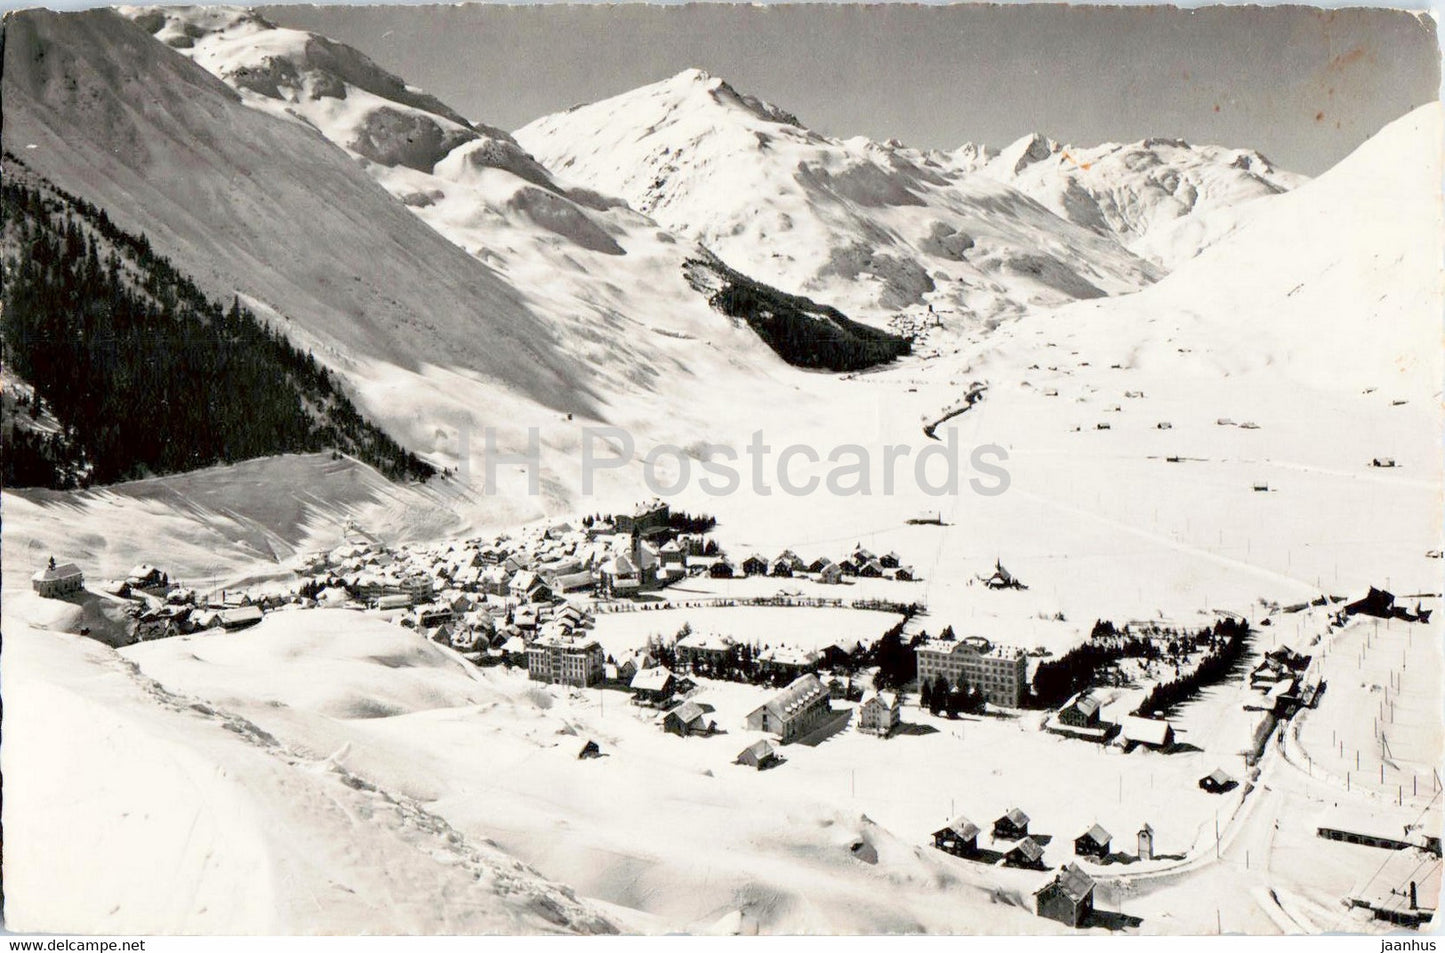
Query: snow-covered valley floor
pixel 1201 447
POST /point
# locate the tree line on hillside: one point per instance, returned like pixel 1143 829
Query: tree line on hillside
pixel 801 331
pixel 146 375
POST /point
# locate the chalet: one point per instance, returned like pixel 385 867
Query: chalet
pixel 578 581
pixel 1081 711
pixel 1266 674
pixel 54 581
pixel 1012 825
pixel 872 569
pixel 959 838
pixel 1068 898
pixel 433 614
pixel 623 671
pixel 786 662
pixel 705 651
pixel 760 754
pixel 722 569
pixel 890 561
pixel 1217 782
pixel 653 686
pixel 904 574
pixel 529 587
pixel 573 616
pixel 841 654
pixel 1026 853
pixel 1094 842
pixel 494 581
pixel 1150 732
pixel 755 565
pixel 793 712
pixel 671 553
pixel 240 617
pixel 817 565
pixel 619 576
pixel 780 568
pixel 830 573
pixel 689 718
pixel 879 713
pixel 145 576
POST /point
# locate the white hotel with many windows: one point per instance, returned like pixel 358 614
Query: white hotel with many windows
pixel 999 671
pixel 565 660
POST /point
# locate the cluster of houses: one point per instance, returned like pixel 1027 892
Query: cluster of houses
pixel 859 563
pixel 791 714
pixel 1082 717
pixel 1068 896
pixel 1281 677
pixel 161 609
pixel 611 558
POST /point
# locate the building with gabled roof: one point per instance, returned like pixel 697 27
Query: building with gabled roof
pixel 1067 898
pixel 760 754
pixel 1081 711
pixel 1094 842
pixel 565 659
pixel 959 837
pixel 879 713
pixel 1026 853
pixel 653 686
pixel 998 671
pixel 1012 825
pixel 689 718
pixel 55 581
pixel 793 712
pixel 1150 732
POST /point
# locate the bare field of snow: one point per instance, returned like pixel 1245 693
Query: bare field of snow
pixel 210 825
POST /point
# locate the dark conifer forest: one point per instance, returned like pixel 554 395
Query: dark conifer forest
pixel 144 374
pixel 801 331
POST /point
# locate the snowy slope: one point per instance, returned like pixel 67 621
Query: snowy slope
pixel 208 824
pixel 1164 199
pixel 1336 285
pixel 96 105
pixel 868 227
pixel 475 294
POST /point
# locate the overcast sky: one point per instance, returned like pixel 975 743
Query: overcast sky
pixel 1302 85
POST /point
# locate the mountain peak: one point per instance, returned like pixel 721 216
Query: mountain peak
pixel 1026 150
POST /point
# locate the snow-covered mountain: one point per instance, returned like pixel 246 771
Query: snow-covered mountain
pixel 452 289
pixel 869 227
pixel 1335 286
pixel 1164 199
